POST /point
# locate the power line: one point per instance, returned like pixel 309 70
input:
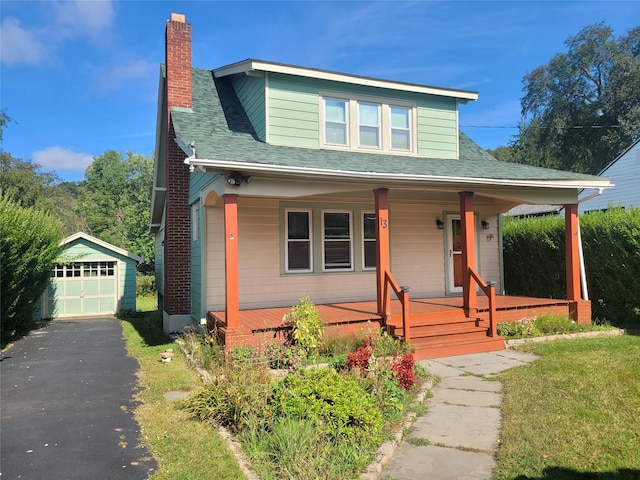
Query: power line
pixel 540 126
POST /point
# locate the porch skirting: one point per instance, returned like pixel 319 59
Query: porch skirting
pixel 431 316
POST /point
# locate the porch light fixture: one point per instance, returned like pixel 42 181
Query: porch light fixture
pixel 439 224
pixel 485 225
pixel 236 178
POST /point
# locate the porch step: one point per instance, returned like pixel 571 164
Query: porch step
pixel 426 350
pixel 435 335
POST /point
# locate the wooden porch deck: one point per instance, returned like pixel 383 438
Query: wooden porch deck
pixel 264 325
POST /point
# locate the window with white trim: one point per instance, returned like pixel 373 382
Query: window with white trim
pixel 298 252
pixel 368 123
pixel 337 251
pixel 84 269
pixel 335 121
pixel 368 241
pixel 400 124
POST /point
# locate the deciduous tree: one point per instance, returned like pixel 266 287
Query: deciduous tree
pixel 582 108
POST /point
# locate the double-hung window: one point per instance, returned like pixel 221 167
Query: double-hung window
pixel 368 241
pixel 369 125
pixel 400 123
pixel 337 251
pixel 336 130
pixel 298 253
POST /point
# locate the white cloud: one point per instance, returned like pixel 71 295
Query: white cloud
pixel 80 18
pixel 19 45
pixel 58 158
pixel 114 77
pixel 71 19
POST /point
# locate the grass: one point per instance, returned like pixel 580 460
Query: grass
pixel 186 449
pixel 573 413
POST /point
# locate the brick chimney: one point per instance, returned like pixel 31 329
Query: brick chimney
pixel 177 248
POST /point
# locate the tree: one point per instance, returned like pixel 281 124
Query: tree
pixel 29 186
pixel 114 199
pixel 29 245
pixel 582 108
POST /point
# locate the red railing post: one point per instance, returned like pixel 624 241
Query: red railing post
pixel 403 295
pixel 406 328
pixel 490 291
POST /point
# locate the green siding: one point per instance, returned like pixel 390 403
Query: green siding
pixel 293 113
pixel 196 267
pixel 437 128
pixel 251 93
pixel 294 117
pixel 83 295
pixel 159 258
pixel 197 182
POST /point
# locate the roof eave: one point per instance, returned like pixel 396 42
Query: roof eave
pixel 250 66
pixel 390 178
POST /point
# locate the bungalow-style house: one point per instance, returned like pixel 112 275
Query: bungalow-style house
pixel 624 173
pixel 276 181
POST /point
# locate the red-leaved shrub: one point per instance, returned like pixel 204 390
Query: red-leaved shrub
pixel 359 358
pixel 403 369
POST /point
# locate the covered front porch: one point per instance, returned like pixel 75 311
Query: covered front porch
pixel 439 326
pixel 433 326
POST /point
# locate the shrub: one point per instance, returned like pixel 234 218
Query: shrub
pixel 242 354
pixel 306 325
pixel 145 285
pixel 282 356
pixel 338 362
pixel 543 325
pixel 534 261
pixel 29 245
pixel 360 358
pixel 403 369
pixel 235 398
pixel 337 404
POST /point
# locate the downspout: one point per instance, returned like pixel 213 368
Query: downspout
pixel 583 274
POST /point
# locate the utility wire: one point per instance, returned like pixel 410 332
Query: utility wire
pixel 540 126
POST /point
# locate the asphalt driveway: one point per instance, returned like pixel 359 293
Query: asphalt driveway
pixel 67 405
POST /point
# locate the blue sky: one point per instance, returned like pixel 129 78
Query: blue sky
pixel 81 77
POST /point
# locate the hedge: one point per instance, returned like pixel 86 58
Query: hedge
pixel 534 261
pixel 29 245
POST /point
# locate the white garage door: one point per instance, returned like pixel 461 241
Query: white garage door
pixel 83 288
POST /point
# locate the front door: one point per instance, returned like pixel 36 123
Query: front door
pixel 454 254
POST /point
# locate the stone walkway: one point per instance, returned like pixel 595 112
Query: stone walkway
pixel 456 439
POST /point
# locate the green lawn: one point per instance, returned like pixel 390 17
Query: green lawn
pixel 186 448
pixel 573 414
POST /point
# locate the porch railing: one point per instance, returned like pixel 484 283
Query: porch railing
pixel 489 290
pixel 403 295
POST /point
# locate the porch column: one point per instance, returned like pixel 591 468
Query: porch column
pixel 467 231
pixel 572 252
pixel 232 303
pixel 579 310
pixel 382 244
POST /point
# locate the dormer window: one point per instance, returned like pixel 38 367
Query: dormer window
pixel 335 127
pixel 400 128
pixel 368 125
pixel 362 123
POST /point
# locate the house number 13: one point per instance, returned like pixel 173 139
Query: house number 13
pixel 383 223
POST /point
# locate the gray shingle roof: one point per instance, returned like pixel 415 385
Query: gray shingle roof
pixel 220 130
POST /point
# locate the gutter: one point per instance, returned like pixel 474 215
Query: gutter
pixel 199 164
